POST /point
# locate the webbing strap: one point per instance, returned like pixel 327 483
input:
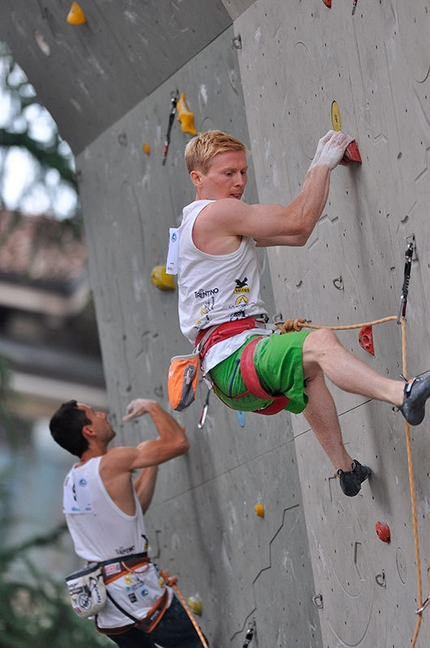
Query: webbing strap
pixel 252 382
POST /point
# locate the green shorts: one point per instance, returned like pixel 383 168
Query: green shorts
pixel 279 365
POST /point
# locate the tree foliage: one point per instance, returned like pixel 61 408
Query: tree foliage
pixel 35 610
pixel 26 126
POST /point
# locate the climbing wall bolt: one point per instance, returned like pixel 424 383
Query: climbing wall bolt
pixel 237 42
pixel 338 283
pixel 317 600
pixel 380 579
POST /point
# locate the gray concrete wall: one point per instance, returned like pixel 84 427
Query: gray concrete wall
pixel 275 92
pixel 297 58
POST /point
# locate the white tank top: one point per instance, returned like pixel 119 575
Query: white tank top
pixel 101 531
pixel 215 288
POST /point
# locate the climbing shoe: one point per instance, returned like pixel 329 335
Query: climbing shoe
pixel 416 393
pixel 350 482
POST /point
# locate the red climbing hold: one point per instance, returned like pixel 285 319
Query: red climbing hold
pixel 365 338
pixel 327 3
pixel 352 154
pixel 383 531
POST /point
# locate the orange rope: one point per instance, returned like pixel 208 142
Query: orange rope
pixel 297 325
pixel 171 582
pixel 413 497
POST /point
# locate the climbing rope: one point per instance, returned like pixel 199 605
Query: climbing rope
pixel 171 582
pixel 297 324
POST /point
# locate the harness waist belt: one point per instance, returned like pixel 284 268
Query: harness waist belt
pixel 227 330
pixel 114 568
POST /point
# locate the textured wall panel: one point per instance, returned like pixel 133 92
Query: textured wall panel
pixel 296 59
pixel 101 69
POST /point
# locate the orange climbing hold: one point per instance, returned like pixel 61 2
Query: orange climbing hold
pixel 259 510
pixel 185 116
pixel 76 16
pixel 365 339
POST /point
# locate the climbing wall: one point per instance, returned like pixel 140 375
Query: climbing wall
pixel 309 569
pixel 296 60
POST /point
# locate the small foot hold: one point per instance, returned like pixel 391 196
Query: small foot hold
pixel 365 339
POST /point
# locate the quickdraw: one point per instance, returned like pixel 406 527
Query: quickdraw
pixel 406 277
pixel 203 415
pixel 249 634
pixel 174 98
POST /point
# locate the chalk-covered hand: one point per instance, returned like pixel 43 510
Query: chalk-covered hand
pixel 331 149
pixel 137 407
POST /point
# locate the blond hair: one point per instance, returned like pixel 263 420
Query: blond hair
pixel 201 150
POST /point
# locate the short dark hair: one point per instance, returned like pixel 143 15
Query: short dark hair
pixel 66 428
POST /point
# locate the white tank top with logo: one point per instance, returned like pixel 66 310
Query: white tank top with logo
pixel 216 288
pixel 101 531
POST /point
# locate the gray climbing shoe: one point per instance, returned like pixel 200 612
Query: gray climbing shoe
pixel 350 482
pixel 416 393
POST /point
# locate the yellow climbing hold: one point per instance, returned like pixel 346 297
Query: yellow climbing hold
pixel 161 279
pixel 259 510
pixel 195 605
pixel 335 116
pixel 147 148
pixel 185 116
pixel 76 16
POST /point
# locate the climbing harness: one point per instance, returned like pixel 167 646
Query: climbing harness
pixel 171 582
pixel 249 634
pixel 406 277
pixel 174 97
pixel 247 366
